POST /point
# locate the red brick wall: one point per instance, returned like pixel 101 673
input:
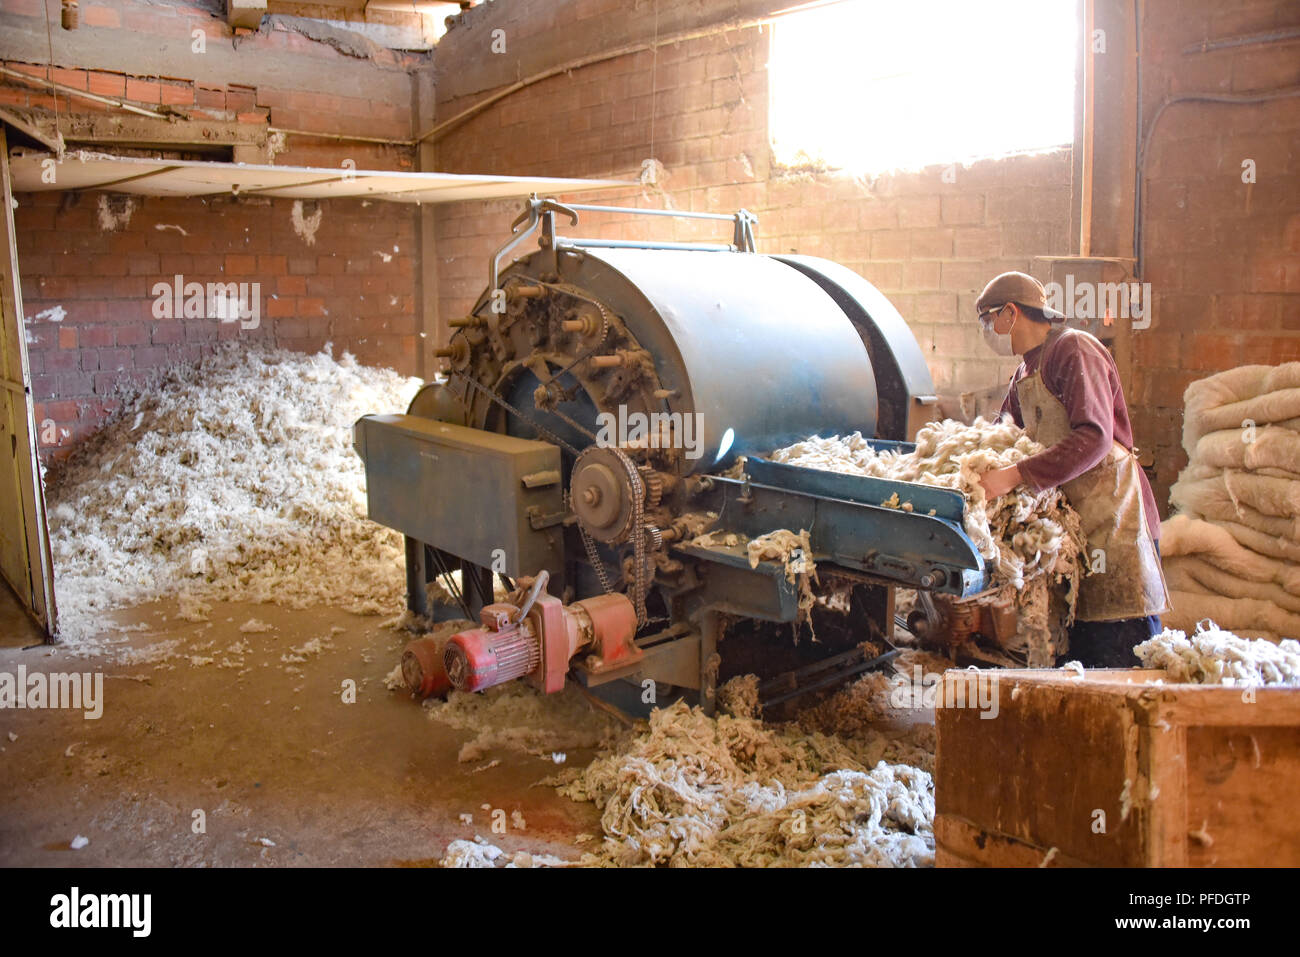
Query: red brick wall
pixel 340 288
pixel 1222 256
pixel 233 102
pixel 700 108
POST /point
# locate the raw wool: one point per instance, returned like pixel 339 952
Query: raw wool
pixel 856 707
pixel 1021 533
pixel 719 538
pixel 480 853
pixel 516 716
pixel 690 790
pixel 394 680
pixel 879 696
pixel 1231 553
pixel 1183 535
pixel 695 523
pixel 231 480
pixel 1212 656
pixel 475 853
pixel 298 655
pixel 189 608
pixel 794 553
pixel 739 697
pixel 1032 541
pixel 781 546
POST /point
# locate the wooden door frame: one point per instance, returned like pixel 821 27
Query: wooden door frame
pixel 27 564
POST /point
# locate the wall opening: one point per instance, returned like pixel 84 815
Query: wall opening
pixel 868 85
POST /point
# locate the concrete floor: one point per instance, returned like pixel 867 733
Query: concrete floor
pixel 263 752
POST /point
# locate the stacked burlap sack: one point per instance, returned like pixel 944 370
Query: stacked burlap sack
pixel 1231 552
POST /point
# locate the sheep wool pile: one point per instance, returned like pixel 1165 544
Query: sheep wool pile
pixel 690 790
pixel 1232 553
pixel 1212 656
pixel 234 480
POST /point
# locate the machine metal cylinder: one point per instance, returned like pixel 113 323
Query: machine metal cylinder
pixel 748 353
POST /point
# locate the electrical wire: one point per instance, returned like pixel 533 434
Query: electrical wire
pixel 49 74
pixel 1262 96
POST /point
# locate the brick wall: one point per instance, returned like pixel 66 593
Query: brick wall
pixel 1222 255
pixel 699 107
pixel 354 286
pixel 101 283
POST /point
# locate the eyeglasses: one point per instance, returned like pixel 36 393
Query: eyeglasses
pixel 989 315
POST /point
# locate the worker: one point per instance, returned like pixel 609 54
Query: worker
pixel 1067 396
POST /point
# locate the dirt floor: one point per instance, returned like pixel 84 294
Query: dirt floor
pixel 283 770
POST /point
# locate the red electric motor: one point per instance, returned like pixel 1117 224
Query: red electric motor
pixel 534 640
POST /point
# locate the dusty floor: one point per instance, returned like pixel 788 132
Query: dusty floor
pixel 262 751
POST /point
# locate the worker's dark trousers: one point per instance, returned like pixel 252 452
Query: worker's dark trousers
pixel 1109 644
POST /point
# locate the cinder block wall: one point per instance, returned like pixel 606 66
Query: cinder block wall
pixel 1222 255
pixel 699 108
pixel 354 285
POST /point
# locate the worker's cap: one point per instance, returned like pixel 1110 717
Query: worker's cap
pixel 1017 287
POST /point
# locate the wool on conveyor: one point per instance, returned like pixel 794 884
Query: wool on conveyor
pixel 1020 534
pixel 234 480
pixel 1030 540
pixel 1231 552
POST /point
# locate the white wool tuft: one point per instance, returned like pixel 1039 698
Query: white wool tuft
pixel 475 853
pixel 1212 656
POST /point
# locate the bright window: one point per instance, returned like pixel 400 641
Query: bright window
pixel 873 85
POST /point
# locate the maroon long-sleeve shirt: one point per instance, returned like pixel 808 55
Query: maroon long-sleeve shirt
pixel 1080 372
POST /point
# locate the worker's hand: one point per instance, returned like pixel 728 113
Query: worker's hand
pixel 998 482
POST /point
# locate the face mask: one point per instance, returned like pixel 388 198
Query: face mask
pixel 999 344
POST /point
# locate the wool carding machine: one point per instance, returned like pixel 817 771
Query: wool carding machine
pixel 597 401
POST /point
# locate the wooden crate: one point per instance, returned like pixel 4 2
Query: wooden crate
pixel 1113 769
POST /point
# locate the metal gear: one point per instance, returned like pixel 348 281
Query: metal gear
pixel 654 487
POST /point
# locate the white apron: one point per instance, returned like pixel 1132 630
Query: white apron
pixel 1108 498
